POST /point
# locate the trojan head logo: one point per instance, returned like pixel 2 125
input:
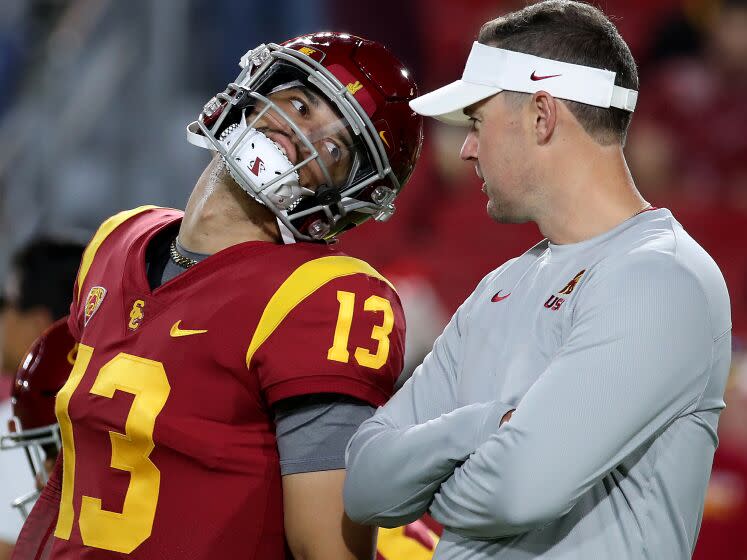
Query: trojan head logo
pixel 554 302
pixel 93 302
pixel 354 88
pixel 136 314
pixel 572 284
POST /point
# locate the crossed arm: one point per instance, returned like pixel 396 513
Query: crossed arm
pixel 634 361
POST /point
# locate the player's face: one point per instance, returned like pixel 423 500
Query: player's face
pixel 496 144
pixel 18 330
pixel 321 125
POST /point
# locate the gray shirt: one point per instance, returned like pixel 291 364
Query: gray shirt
pixel 614 352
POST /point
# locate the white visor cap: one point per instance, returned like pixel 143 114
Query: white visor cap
pixel 490 70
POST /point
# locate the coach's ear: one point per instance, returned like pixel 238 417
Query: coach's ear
pixel 545 109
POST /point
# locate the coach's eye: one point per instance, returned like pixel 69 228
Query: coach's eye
pixel 300 106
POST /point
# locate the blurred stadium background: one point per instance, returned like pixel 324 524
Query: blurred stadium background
pixel 95 95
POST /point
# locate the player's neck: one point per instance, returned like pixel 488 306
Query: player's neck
pixel 589 196
pixel 219 214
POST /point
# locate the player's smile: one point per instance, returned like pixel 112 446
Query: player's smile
pixel 319 124
pixel 288 147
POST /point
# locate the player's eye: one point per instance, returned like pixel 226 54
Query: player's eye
pixel 300 106
pixel 333 150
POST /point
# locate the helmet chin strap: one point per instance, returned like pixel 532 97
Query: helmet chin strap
pixel 285 234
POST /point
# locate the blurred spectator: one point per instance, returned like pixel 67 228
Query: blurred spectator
pixel 681 32
pixel 425 313
pixel 687 139
pixel 37 292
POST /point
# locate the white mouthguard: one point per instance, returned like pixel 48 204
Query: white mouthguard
pixel 261 161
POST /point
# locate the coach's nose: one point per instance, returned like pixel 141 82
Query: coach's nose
pixel 469 148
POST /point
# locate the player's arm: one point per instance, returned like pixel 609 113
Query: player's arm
pixel 352 327
pixel 316 525
pixel 311 432
pixel 397 459
pixel 636 359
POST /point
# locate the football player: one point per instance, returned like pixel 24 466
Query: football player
pixel 35 293
pixel 33 427
pixel 226 354
pixel 34 430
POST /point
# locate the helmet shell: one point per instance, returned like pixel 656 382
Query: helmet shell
pixel 41 375
pixel 381 85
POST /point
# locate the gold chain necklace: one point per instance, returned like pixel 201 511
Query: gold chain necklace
pixel 178 258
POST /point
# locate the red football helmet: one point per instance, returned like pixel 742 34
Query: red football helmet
pixel 317 129
pixel 33 427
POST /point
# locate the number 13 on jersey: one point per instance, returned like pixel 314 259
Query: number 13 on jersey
pixel 110 530
pixel 380 333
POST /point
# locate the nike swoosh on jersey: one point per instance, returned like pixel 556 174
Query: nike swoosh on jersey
pixel 177 332
pixel 499 297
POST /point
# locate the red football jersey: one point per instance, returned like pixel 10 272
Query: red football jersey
pixel 169 442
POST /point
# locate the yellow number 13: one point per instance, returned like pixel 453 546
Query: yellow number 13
pixel 100 528
pixel 339 351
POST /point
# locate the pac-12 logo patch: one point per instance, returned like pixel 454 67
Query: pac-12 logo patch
pixel 93 301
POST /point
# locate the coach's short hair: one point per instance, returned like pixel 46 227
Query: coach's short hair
pixel 572 32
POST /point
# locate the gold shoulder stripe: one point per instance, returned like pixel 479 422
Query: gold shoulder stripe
pixel 103 232
pixel 304 281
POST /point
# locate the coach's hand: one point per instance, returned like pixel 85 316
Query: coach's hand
pixel 507 417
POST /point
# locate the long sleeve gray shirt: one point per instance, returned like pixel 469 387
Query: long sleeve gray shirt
pixel 614 353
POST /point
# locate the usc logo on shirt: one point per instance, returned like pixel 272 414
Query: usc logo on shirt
pixel 554 302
